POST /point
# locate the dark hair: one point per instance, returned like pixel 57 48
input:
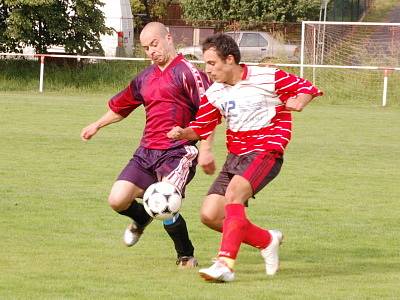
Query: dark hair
pixel 224 45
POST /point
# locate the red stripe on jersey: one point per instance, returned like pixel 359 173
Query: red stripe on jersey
pixel 289 85
pixel 274 137
pixel 207 118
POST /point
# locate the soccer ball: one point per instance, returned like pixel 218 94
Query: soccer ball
pixel 162 200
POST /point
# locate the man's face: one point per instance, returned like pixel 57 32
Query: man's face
pixel 157 48
pixel 217 69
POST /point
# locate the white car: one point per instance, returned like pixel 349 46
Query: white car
pixel 255 46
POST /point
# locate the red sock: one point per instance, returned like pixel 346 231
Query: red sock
pixel 256 236
pixel 234 230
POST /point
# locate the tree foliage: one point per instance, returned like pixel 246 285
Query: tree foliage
pixel 5 44
pixel 151 9
pixel 250 10
pixel 74 24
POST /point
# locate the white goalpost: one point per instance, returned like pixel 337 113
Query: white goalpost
pixel 357 61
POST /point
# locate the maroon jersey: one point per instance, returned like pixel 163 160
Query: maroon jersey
pixel 171 98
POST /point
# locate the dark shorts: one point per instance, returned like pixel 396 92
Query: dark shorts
pixel 147 166
pixel 259 168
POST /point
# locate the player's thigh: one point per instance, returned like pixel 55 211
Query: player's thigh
pixel 239 190
pixel 139 170
pixel 131 182
pixel 123 193
pixel 213 208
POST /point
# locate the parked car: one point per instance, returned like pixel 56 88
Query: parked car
pixel 255 46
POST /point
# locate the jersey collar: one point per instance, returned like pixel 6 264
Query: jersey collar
pixel 245 71
pixel 172 64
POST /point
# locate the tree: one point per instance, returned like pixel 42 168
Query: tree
pixel 85 27
pixel 151 9
pixel 6 44
pixel 74 24
pixel 250 11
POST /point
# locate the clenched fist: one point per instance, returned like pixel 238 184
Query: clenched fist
pixel 175 133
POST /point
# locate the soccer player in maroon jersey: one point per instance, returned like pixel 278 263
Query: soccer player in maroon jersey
pixel 170 90
pixel 256 103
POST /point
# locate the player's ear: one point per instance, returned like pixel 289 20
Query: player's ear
pixel 230 59
pixel 168 37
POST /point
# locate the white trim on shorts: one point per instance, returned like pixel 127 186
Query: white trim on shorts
pixel 179 175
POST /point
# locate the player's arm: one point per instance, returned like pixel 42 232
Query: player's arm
pixel 179 133
pixel 108 118
pixel 206 158
pixel 294 91
pixel 207 118
pixel 120 106
pixel 298 102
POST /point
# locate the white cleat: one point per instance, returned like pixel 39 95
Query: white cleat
pixel 271 252
pixel 218 272
pixel 132 234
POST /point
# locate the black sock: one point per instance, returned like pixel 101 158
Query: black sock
pixel 180 236
pixel 137 213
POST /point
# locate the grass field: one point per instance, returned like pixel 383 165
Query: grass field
pixel 336 200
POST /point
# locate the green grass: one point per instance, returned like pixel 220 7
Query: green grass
pixel 356 87
pixel 336 200
pixel 23 75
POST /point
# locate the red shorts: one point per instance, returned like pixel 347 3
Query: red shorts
pixel 259 168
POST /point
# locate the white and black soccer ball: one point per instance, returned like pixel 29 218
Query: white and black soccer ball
pixel 162 200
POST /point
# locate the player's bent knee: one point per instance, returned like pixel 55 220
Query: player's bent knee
pixel 210 220
pixel 122 194
pixel 205 218
pixel 213 224
pixel 117 203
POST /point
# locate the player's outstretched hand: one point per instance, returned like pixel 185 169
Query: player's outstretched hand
pixel 89 131
pixel 175 133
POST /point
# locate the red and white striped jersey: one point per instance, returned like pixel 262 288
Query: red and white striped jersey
pixel 254 109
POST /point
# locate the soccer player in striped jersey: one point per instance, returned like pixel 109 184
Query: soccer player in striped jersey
pixel 170 91
pixel 257 103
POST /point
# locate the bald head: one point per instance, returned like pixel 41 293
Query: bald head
pixel 154 29
pixel 157 43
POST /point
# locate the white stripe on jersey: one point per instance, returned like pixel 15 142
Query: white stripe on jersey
pixel 254 150
pixel 284 129
pixel 210 112
pixel 204 105
pixel 287 86
pixel 197 78
pixel 204 122
pixel 206 133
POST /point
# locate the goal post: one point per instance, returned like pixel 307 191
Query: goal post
pixel 359 61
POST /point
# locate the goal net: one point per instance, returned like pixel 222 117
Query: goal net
pixel 350 60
